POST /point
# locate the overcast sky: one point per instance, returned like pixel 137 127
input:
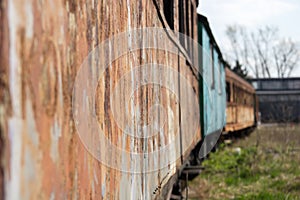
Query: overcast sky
pixel 285 14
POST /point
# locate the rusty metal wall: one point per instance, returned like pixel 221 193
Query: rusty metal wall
pixel 240 110
pixel 43 44
pixel 239 117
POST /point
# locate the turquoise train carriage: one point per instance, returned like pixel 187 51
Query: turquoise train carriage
pixel 212 101
pixel 212 86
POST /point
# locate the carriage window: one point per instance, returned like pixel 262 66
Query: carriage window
pixel 192 31
pixel 234 94
pixel 187 20
pixel 192 21
pixel 212 66
pixel 181 21
pixel 187 24
pixel 228 91
pixel 254 83
pixel 169 12
pixel 238 95
pixel 219 77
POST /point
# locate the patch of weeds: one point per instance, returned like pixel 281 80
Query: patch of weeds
pixel 293 186
pixel 278 185
pixel 229 160
pixel 265 195
pixel 275 173
pixel 264 167
pixel 232 181
pixel 234 165
pixel 294 169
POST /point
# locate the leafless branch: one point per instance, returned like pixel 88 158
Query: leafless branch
pixel 262 52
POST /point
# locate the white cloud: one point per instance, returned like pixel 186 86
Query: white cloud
pixel 249 13
pixel 246 12
pixel 252 14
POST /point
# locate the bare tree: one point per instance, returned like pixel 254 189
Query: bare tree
pixel 286 58
pixel 262 51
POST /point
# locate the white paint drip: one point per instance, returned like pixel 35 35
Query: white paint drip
pixel 15 123
pixel 31 128
pixel 14 132
pixel 15 78
pixel 55 135
pixel 29 20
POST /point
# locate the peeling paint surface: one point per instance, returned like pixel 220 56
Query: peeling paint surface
pixel 43 44
pixel 240 111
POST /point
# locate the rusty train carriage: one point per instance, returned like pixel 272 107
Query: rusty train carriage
pixel 241 103
pixel 43 44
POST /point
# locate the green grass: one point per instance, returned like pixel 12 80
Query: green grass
pixel 265 196
pixel 265 165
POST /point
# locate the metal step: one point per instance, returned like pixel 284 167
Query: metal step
pixel 176 197
pixel 192 170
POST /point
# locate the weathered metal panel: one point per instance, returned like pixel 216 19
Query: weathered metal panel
pixel 231 76
pixel 214 95
pixel 240 111
pixel 43 44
